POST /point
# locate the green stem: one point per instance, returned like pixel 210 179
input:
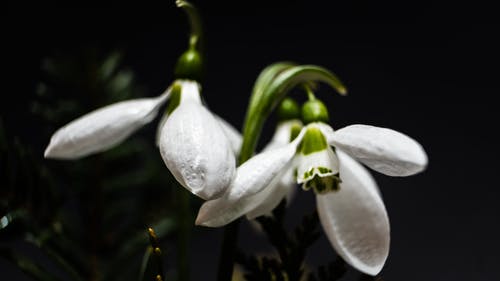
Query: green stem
pixel 195 39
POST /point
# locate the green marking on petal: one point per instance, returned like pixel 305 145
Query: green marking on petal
pixel 324 170
pixel 295 131
pixel 175 98
pixel 312 141
pixel 322 185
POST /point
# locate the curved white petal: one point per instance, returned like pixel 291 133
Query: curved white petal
pixel 255 180
pixel 159 127
pixel 197 151
pixel 232 134
pixel 221 211
pixel 327 131
pixel 285 187
pixel 103 128
pixel 282 134
pixel 384 150
pixel 355 219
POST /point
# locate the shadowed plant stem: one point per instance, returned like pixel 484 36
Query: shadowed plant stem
pixel 185 222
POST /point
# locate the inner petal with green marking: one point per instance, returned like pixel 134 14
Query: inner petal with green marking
pixel 319 170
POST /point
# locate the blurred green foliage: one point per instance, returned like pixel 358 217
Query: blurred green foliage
pixel 89 217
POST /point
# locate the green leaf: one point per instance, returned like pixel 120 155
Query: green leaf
pixel 253 127
pixel 270 89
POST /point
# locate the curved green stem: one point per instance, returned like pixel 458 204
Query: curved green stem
pixel 280 79
pixel 195 40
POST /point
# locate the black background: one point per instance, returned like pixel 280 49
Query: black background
pixel 413 70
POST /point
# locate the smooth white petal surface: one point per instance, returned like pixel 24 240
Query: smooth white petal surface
pixel 232 134
pixel 284 187
pixel 327 131
pixel 255 180
pixel 195 148
pixel 384 150
pixel 221 211
pixel 103 128
pixel 355 219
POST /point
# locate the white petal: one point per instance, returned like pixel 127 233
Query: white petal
pixel 221 211
pixel 282 134
pixel 309 164
pixel 255 180
pixel 159 127
pixel 284 187
pixel 326 130
pixel 355 219
pixel 103 128
pixel 232 134
pixel 384 150
pixel 196 151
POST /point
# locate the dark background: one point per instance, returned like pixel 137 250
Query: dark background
pixel 412 70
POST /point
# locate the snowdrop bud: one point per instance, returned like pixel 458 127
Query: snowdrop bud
pixel 314 111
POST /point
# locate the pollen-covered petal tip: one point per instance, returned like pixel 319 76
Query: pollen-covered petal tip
pixel 355 219
pixel 103 128
pixel 384 150
pixel 197 151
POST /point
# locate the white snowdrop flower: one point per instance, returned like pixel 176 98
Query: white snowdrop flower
pixel 349 205
pixel 198 147
pixel 103 128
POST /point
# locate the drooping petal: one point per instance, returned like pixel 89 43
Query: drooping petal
pixel 255 180
pixel 195 148
pixel 103 128
pixel 285 187
pixel 221 211
pixel 384 150
pixel 232 134
pixel 354 218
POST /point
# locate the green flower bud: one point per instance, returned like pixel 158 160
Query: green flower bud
pixel 288 109
pixel 314 111
pixel 189 66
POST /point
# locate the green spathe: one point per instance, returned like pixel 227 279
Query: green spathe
pixel 313 141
